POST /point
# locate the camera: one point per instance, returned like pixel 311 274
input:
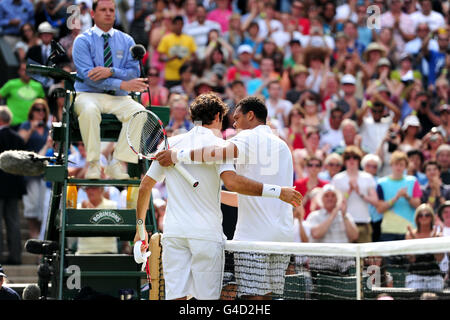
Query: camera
pixel 423 104
pixel 392 135
pixel 41 124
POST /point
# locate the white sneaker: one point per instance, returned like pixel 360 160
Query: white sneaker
pixel 115 171
pixel 93 171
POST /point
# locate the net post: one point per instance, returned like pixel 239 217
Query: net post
pixel 154 264
pixel 358 274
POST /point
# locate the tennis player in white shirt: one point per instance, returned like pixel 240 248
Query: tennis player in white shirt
pixel 262 156
pixel 193 239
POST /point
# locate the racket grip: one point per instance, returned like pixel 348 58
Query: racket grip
pixel 186 175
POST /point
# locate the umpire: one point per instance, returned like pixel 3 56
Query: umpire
pixel 103 60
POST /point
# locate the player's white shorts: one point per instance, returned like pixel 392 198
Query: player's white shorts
pixel 192 267
pixel 260 274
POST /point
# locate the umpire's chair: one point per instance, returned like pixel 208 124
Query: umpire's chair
pixel 108 274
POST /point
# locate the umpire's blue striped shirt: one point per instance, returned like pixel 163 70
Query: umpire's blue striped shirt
pixel 87 54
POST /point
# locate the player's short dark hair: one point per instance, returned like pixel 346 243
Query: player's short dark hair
pixel 205 107
pixel 254 104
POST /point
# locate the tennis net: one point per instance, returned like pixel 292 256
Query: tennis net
pixel 406 269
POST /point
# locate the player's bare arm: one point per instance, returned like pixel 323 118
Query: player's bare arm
pixel 236 183
pixel 145 190
pixel 206 154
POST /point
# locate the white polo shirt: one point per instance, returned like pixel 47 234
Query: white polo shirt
pixel 193 212
pixel 356 206
pixel 265 158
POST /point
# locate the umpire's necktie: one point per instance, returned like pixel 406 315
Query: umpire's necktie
pixel 107 51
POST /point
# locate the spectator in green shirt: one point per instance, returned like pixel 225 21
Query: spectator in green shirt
pixel 20 94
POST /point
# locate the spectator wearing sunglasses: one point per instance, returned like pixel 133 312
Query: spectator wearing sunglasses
pixel 306 185
pixel 423 271
pixel 159 94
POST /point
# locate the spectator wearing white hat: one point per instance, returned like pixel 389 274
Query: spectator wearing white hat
pixel 410 128
pixel 243 68
pixel 405 73
pixel 349 103
pixel 40 53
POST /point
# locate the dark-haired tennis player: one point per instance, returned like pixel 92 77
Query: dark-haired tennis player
pixel 193 239
pixel 262 156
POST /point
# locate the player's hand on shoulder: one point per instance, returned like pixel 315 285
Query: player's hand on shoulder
pixel 291 196
pixel 137 85
pixel 166 158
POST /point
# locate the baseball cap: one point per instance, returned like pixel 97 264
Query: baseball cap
pixel 2 272
pixel 410 121
pixel 244 48
pixel 348 79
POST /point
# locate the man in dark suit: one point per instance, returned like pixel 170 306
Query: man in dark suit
pixel 40 53
pixel 11 190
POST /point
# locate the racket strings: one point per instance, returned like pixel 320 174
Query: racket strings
pixel 152 134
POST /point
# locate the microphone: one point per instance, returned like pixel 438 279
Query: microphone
pixel 44 247
pixel 57 47
pixel 57 54
pixel 23 163
pixel 137 53
pixel 31 292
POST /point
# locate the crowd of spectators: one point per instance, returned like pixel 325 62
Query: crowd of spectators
pixel 358 89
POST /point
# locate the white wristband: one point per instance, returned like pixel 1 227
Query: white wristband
pixel 184 155
pixel 271 191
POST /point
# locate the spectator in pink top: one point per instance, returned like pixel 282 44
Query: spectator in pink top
pixel 221 14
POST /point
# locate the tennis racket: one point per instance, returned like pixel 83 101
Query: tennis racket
pixel 145 132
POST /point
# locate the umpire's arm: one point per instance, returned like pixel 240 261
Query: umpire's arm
pixel 81 53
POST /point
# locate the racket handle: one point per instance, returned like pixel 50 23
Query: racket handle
pixel 186 175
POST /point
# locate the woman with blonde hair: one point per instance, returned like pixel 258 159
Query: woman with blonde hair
pixel 423 271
